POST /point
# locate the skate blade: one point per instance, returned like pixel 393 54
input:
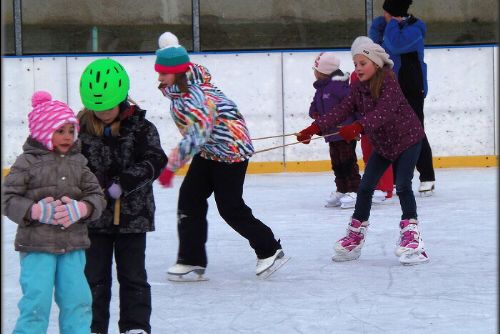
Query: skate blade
pixel 276 265
pixel 192 276
pixel 341 257
pixel 412 259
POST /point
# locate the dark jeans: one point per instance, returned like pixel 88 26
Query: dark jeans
pixel 345 165
pixel 404 167
pixel 135 291
pixel 225 180
pixel 424 164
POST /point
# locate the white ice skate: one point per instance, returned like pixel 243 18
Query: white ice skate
pixel 186 273
pixel 334 200
pixel 411 246
pixel 267 263
pixel 348 201
pixel 349 247
pixel 135 331
pixel 426 188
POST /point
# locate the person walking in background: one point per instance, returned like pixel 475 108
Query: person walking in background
pixel 332 85
pixel 402 36
pixel 385 186
pixel 215 136
pixel 52 195
pixel 124 151
pixel 396 135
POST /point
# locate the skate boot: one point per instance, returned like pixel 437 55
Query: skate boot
pixel 349 247
pixel 182 273
pixel 268 262
pixel 135 331
pixel 411 246
pixel 334 200
pixel 348 201
pixel 426 188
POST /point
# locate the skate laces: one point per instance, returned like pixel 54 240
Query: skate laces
pixel 409 234
pixel 354 235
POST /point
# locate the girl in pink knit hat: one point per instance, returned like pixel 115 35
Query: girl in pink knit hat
pixel 51 194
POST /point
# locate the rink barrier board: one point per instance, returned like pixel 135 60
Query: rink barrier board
pixel 325 165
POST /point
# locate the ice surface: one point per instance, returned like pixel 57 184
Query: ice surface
pixel 455 293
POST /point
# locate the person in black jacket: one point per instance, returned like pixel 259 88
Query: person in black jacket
pixel 124 152
pixel 402 36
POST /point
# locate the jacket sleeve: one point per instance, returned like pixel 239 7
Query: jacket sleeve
pixel 92 194
pixel 199 113
pixel 312 108
pixel 150 160
pixel 398 41
pixel 14 204
pixel 328 123
pixel 377 30
pixel 386 107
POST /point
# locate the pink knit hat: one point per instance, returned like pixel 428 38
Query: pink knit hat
pixel 47 116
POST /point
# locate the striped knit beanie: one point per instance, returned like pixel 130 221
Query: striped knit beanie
pixel 47 116
pixel 171 57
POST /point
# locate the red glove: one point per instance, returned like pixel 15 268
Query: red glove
pixel 166 177
pixel 351 131
pixel 305 135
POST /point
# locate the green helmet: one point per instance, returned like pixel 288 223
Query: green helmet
pixel 104 84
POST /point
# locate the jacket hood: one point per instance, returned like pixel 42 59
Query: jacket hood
pixel 415 22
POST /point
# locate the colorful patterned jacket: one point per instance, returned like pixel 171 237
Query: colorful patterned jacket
pixel 209 122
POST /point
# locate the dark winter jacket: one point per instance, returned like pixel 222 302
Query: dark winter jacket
pixel 389 122
pixel 329 93
pixel 134 159
pixel 404 42
pixel 38 173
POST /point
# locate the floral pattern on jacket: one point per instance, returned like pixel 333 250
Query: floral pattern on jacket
pixel 38 173
pixel 134 159
pixel 389 122
pixel 209 122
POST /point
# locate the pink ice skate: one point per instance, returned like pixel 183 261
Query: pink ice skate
pixel 349 247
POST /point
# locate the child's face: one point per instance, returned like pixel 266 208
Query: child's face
pixel 166 79
pixel 63 138
pixel 364 67
pixel 108 116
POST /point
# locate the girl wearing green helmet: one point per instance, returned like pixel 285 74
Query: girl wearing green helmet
pixel 124 152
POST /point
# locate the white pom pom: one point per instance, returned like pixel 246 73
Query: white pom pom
pixel 167 39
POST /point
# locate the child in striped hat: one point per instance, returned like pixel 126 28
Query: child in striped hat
pixel 216 138
pixel 51 194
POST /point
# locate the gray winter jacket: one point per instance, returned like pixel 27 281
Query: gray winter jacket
pixel 38 173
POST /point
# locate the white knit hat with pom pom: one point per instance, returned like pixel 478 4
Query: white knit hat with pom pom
pixel 48 116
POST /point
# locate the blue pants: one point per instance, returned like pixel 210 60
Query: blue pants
pixel 43 274
pixel 403 168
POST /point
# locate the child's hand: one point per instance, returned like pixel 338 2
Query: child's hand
pixel 71 212
pixel 114 191
pixel 44 210
pixel 166 177
pixel 305 135
pixel 351 131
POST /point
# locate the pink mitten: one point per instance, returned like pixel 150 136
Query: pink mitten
pixel 44 210
pixel 71 212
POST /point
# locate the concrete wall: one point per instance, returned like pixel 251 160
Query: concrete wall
pixel 273 91
pixel 179 11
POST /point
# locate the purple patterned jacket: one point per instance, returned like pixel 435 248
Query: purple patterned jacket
pixel 389 122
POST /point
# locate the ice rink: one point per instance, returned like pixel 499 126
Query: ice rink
pixel 456 292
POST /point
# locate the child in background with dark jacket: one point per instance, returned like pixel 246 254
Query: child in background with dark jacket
pixel 124 151
pixel 332 85
pixel 51 194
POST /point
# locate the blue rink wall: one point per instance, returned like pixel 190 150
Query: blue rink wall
pixel 273 91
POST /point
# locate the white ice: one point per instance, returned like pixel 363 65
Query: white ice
pixel 455 293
